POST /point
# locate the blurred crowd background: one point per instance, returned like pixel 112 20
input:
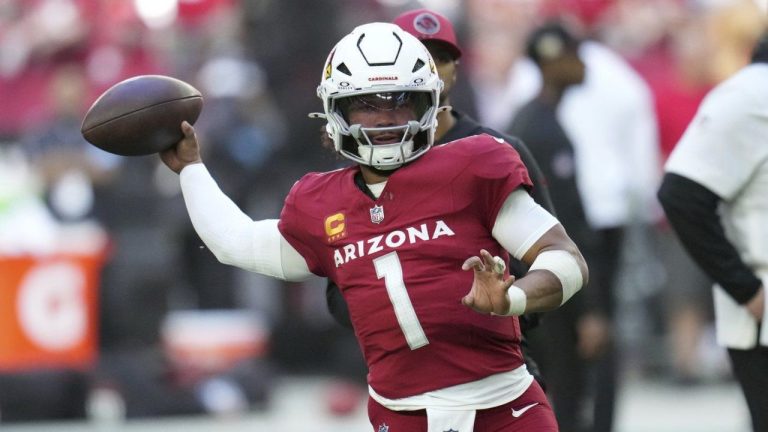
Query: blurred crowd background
pixel 111 305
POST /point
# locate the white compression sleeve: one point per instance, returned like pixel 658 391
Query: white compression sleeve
pixel 563 265
pixel 520 223
pixel 232 236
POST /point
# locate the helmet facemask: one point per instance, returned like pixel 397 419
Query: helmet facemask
pixel 398 144
pixel 379 67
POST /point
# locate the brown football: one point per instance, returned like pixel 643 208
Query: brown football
pixel 141 115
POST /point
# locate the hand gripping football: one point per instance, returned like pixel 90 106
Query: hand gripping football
pixel 141 115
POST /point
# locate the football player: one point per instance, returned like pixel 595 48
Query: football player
pixel 416 236
pixel 436 32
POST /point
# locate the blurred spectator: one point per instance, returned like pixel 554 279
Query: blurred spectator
pixel 58 55
pixel 35 36
pixel 611 123
pixel 30 232
pixel 241 119
pixel 69 165
pixel 714 193
pixel 438 35
pixel 45 394
pixel 64 167
pixel 682 50
pixel 499 81
pixel 557 345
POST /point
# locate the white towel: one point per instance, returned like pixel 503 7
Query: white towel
pixel 735 327
pixel 450 420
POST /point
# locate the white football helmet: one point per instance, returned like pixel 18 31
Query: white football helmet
pixel 381 66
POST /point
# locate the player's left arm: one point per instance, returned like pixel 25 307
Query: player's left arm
pixel 557 271
pixel 531 234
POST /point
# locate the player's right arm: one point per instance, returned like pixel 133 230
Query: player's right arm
pixel 185 152
pixel 231 235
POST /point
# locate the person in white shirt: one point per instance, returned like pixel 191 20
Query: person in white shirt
pixel 715 195
pixel 610 120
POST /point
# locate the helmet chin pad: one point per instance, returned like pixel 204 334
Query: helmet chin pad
pixel 385 156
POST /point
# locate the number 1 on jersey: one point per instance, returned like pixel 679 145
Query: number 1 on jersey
pixel 388 267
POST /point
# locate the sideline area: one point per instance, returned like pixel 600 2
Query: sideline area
pixel 298 406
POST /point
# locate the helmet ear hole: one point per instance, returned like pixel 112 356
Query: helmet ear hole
pixel 348 144
pixel 421 140
pixel 344 69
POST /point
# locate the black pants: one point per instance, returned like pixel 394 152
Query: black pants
pixel 751 369
pixel 43 395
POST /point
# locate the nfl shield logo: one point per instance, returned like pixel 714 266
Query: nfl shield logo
pixel 377 214
pixel 383 428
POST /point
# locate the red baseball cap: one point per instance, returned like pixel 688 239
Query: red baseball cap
pixel 427 25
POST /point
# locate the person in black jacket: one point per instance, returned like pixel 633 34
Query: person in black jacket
pixel 565 342
pixel 437 34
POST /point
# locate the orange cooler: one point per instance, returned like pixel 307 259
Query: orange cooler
pixel 48 311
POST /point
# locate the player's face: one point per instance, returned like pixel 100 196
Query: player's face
pixel 381 110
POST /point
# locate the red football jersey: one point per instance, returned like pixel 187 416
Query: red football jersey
pixel 397 261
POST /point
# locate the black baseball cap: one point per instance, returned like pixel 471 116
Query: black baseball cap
pixel 550 42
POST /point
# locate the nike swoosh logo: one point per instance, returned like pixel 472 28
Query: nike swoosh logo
pixel 521 411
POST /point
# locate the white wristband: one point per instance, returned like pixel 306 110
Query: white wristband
pixel 563 265
pixel 517 301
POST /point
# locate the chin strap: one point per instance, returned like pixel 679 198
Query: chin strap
pixel 444 108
